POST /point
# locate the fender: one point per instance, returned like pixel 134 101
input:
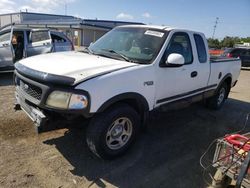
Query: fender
pixel 229 75
pixel 141 101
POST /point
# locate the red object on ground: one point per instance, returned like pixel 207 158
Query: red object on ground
pixel 216 52
pixel 239 141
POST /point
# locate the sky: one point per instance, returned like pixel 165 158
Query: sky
pixel 199 15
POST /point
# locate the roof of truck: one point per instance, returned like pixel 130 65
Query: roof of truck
pixel 149 26
pixel 166 28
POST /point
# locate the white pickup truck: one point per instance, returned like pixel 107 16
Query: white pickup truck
pixel 120 79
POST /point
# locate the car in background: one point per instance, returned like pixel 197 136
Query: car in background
pixel 245 58
pixel 17 43
pixel 242 53
pixel 234 52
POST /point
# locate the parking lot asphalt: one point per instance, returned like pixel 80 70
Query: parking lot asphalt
pixel 166 155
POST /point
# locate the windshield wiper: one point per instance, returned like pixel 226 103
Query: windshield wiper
pixel 86 50
pixel 119 54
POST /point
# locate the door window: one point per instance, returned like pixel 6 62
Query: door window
pixel 4 37
pixel 201 49
pixel 180 44
pixel 57 39
pixel 37 36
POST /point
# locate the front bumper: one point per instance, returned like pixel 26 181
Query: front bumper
pixel 35 114
pixel 31 97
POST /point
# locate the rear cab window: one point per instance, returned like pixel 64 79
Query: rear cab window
pixel 201 49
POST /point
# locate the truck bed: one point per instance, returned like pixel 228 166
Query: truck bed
pixel 219 70
pixel 216 59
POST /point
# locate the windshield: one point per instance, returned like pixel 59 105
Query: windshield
pixel 138 45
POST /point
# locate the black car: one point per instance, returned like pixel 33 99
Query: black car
pixel 242 53
pixel 234 52
pixel 245 58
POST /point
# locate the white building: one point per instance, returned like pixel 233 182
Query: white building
pixel 81 31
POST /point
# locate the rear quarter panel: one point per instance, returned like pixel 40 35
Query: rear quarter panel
pixel 232 67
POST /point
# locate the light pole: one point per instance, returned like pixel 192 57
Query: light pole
pixel 215 26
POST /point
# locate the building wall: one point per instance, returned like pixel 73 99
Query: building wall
pixel 83 32
pixel 91 35
pixel 99 34
pixel 88 36
pixel 37 17
pixel 9 18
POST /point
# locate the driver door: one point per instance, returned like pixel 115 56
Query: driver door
pixel 6 50
pixel 174 83
pixel 39 42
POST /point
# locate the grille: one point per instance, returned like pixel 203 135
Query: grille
pixel 31 90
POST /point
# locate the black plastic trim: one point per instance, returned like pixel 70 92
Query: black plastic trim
pixel 142 102
pixel 222 60
pixel 183 102
pixel 229 75
pixel 42 76
pixel 7 68
pixel 184 94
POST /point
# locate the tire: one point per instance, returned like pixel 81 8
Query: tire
pixel 112 132
pixel 221 180
pixel 217 101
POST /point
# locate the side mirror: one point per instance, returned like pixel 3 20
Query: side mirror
pixel 175 60
pixel 91 43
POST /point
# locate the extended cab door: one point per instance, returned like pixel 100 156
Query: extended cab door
pixel 203 61
pixel 6 49
pixel 174 83
pixel 39 42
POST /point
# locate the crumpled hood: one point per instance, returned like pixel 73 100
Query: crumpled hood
pixel 75 65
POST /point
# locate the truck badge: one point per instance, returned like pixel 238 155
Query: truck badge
pixel 148 83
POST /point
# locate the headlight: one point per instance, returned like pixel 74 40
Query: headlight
pixel 65 100
pixel 78 101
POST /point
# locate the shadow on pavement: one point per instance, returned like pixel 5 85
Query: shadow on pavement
pixel 6 79
pixel 167 155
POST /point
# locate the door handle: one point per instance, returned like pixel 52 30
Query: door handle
pixel 194 74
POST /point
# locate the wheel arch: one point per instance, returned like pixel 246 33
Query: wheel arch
pixel 226 79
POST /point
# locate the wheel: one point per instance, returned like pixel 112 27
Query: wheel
pixel 217 101
pixel 112 132
pixel 221 181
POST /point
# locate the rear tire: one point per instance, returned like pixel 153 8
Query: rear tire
pixel 112 132
pixel 217 101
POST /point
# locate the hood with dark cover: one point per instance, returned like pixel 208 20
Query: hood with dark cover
pixel 68 67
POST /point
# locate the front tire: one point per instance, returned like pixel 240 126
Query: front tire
pixel 217 101
pixel 112 132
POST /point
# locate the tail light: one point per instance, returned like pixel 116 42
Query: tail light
pixel 229 55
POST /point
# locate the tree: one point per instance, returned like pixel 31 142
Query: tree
pixel 229 42
pixel 226 42
pixel 213 43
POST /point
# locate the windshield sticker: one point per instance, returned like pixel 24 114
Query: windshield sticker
pixel 154 33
